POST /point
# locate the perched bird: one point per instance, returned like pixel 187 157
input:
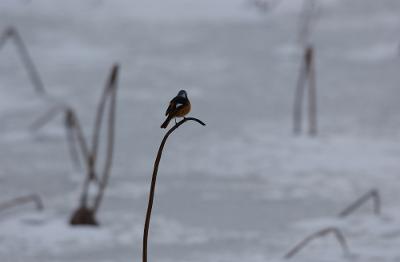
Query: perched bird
pixel 178 107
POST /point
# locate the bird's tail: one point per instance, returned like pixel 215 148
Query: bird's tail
pixel 166 122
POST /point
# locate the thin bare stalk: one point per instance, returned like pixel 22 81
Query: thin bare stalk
pixel 298 99
pixel 376 200
pixel 91 156
pixel 109 88
pixel 75 137
pixel 85 192
pixel 47 117
pixel 37 82
pixel 306 73
pixel 74 124
pixel 84 214
pixel 22 200
pixel 110 138
pixel 330 230
pixel 72 147
pixel 153 182
pixel 74 132
pixel 312 93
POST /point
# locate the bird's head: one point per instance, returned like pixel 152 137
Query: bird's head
pixel 182 93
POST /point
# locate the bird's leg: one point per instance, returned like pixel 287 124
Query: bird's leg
pixel 175 120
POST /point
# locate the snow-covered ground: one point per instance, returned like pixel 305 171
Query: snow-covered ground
pixel 240 189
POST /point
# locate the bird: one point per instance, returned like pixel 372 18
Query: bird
pixel 179 106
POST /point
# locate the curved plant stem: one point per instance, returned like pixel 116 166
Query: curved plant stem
pixel 312 93
pixel 298 99
pixel 112 87
pixel 306 73
pixel 33 73
pixel 372 194
pixel 86 214
pixel 22 200
pixel 154 179
pixel 109 89
pixel 326 231
pixel 72 123
pixel 47 117
pixel 72 148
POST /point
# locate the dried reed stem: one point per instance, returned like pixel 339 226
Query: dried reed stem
pixel 306 72
pixel 372 194
pixel 312 92
pixel 12 33
pixel 153 182
pixel 330 230
pixel 112 87
pixel 76 139
pixel 298 100
pixel 47 117
pixel 85 214
pixel 22 200
pixel 108 90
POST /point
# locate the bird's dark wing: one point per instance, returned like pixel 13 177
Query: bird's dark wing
pixel 175 103
pixel 170 107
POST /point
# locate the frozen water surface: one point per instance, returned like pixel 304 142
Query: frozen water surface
pixel 240 189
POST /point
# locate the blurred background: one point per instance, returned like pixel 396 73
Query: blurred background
pixel 243 188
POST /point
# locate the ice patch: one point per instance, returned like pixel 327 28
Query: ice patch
pixel 376 53
pixel 41 233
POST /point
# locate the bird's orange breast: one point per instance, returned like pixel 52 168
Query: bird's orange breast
pixel 183 110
